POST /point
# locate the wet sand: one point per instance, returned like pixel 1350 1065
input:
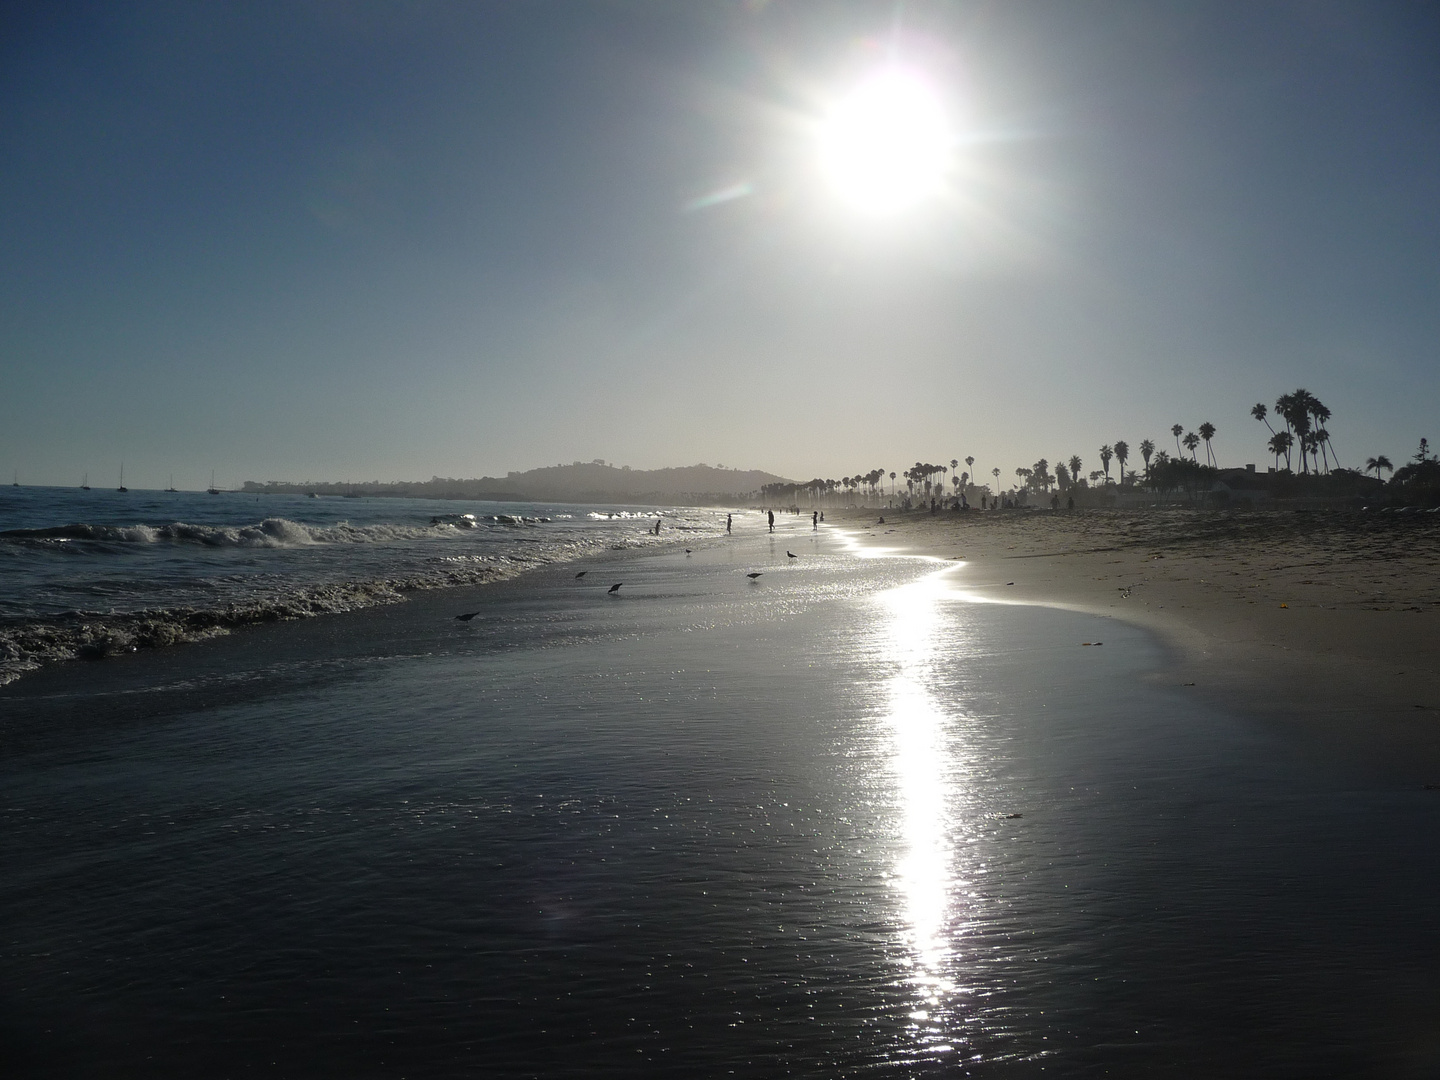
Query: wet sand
pixel 1323 621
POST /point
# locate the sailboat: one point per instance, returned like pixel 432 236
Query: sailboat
pixel 212 489
pixel 122 486
pixel 85 482
pixel 172 486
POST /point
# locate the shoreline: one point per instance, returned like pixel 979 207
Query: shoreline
pixel 1323 623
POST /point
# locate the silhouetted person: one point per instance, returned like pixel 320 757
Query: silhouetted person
pixel 728 519
pixel 657 526
pixel 814 519
pixel 1070 503
pixel 882 521
pixel 772 520
pixel 822 515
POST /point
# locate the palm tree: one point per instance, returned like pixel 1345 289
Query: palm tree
pixel 1259 412
pixel 1207 432
pixel 970 464
pixel 1191 442
pixel 1122 455
pixel 1295 408
pixel 1106 453
pixel 1075 466
pixel 1146 449
pixel 892 485
pixel 995 472
pixel 1322 437
pixel 1378 463
pixel 1176 430
pixel 1280 443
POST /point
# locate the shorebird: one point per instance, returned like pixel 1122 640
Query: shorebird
pixel 754 575
pixel 581 574
pixel 687 551
pixel 616 586
pixel 792 554
pixel 467 616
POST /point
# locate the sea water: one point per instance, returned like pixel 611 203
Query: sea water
pixel 836 820
pixel 91 573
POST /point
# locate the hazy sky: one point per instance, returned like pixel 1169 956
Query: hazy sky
pixel 355 241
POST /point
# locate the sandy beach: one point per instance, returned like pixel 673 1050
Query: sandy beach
pixel 1324 621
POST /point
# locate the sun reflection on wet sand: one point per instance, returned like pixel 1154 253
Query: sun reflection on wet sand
pixel 921 752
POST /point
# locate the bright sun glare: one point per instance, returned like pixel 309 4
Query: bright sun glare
pixel 887 145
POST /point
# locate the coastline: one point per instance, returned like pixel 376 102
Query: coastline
pixel 1321 622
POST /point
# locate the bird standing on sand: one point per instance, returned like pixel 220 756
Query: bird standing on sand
pixel 467 616
pixel 792 554
pixel 753 576
pixel 616 587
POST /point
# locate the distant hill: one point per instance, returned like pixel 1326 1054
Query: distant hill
pixel 593 482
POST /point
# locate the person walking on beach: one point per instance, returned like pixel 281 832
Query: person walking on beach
pixel 814 519
pixel 772 520
pixel 728 519
pixel 657 526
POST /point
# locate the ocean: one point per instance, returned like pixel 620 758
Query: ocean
pixel 100 572
pixel 835 820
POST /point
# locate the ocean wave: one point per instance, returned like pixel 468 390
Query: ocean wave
pixel 270 533
pixel 87 635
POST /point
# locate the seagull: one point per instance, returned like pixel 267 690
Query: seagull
pixel 792 554
pixel 616 586
pixel 581 574
pixel 467 616
pixel 687 551
pixel 756 574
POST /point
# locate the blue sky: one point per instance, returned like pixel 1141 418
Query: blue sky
pixel 353 241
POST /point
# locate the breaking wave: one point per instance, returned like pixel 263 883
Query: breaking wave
pixel 270 533
pixel 88 635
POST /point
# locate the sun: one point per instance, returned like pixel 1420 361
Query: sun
pixel 888 144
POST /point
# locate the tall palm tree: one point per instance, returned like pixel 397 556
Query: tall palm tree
pixel 970 464
pixel 1191 442
pixel 1147 448
pixel 1375 464
pixel 1176 430
pixel 1259 412
pixel 1207 432
pixel 892 484
pixel 1075 466
pixel 995 472
pixel 1322 416
pixel 1122 455
pixel 1295 409
pixel 1106 453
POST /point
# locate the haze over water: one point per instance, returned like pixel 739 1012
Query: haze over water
pixel 837 821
